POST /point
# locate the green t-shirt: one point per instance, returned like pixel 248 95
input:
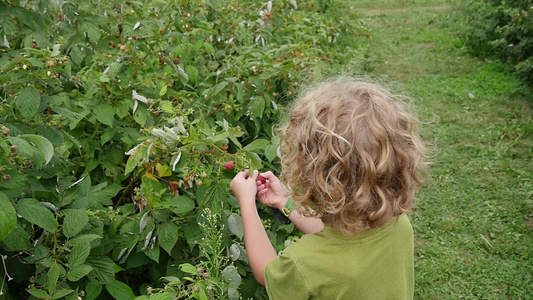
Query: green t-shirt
pixel 375 264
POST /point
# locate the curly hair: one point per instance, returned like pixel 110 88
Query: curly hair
pixel 351 152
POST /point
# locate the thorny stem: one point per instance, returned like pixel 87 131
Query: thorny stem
pixel 128 189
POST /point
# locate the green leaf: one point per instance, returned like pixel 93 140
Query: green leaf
pixel 62 293
pixel 188 268
pixel 8 216
pixel 255 160
pixel 217 89
pixel 144 297
pixel 103 271
pixel 38 293
pixel 17 240
pixel 168 236
pixel 28 101
pixel 193 73
pixel 258 144
pixel 78 272
pixel 209 48
pixel 163 170
pixel 75 220
pixel 105 114
pixel 271 152
pixel 52 277
pixel 79 254
pixel 232 276
pixel 163 91
pixel 34 212
pixel 43 145
pixel 235 225
pixel 214 196
pixel 102 196
pixel 93 290
pixel 166 106
pixel 181 205
pixel 161 296
pixel 84 238
pixel 120 291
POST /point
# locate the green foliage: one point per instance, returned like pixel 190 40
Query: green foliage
pixel 116 121
pixel 502 29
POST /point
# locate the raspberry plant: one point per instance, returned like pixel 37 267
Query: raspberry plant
pixel 117 123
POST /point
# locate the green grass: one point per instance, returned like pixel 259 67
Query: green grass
pixel 474 218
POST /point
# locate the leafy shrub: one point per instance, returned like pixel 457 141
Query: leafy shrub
pixel 502 29
pixel 117 121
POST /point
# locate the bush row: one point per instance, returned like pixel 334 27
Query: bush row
pixel 502 29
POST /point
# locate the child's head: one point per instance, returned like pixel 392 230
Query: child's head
pixel 351 152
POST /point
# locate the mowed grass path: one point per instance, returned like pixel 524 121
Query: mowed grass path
pixel 474 218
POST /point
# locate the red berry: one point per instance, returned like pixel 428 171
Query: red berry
pixel 324 59
pixel 114 46
pixel 268 15
pixel 34 45
pixel 229 165
pixel 109 44
pixel 161 61
pixel 262 179
pixel 176 60
pixel 134 37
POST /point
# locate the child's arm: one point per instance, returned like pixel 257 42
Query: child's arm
pixel 273 194
pixel 258 247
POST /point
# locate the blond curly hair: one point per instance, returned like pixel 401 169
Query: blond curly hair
pixel 351 152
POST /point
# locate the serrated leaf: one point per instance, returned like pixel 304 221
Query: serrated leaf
pixel 28 101
pixel 181 205
pixel 34 212
pixel 235 225
pixel 62 293
pixel 232 276
pixel 166 106
pixel 93 290
pixel 193 73
pixel 78 272
pixel 38 293
pixel 17 240
pixel 161 296
pixel 168 236
pixel 163 170
pixel 79 254
pixel 43 145
pixel 103 271
pixel 8 216
pixel 52 277
pixel 258 144
pixel 105 114
pixel 214 196
pixel 75 220
pixel 188 268
pixel 120 291
pixel 163 91
pixel 84 238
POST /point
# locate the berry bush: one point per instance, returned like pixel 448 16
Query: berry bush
pixel 122 124
pixel 504 30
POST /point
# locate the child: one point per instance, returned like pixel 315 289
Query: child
pixel 351 163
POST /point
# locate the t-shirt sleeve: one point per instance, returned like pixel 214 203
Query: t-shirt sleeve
pixel 283 280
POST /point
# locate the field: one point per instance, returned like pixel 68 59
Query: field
pixel 474 217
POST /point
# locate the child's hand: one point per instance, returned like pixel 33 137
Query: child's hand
pixel 271 193
pixel 244 186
